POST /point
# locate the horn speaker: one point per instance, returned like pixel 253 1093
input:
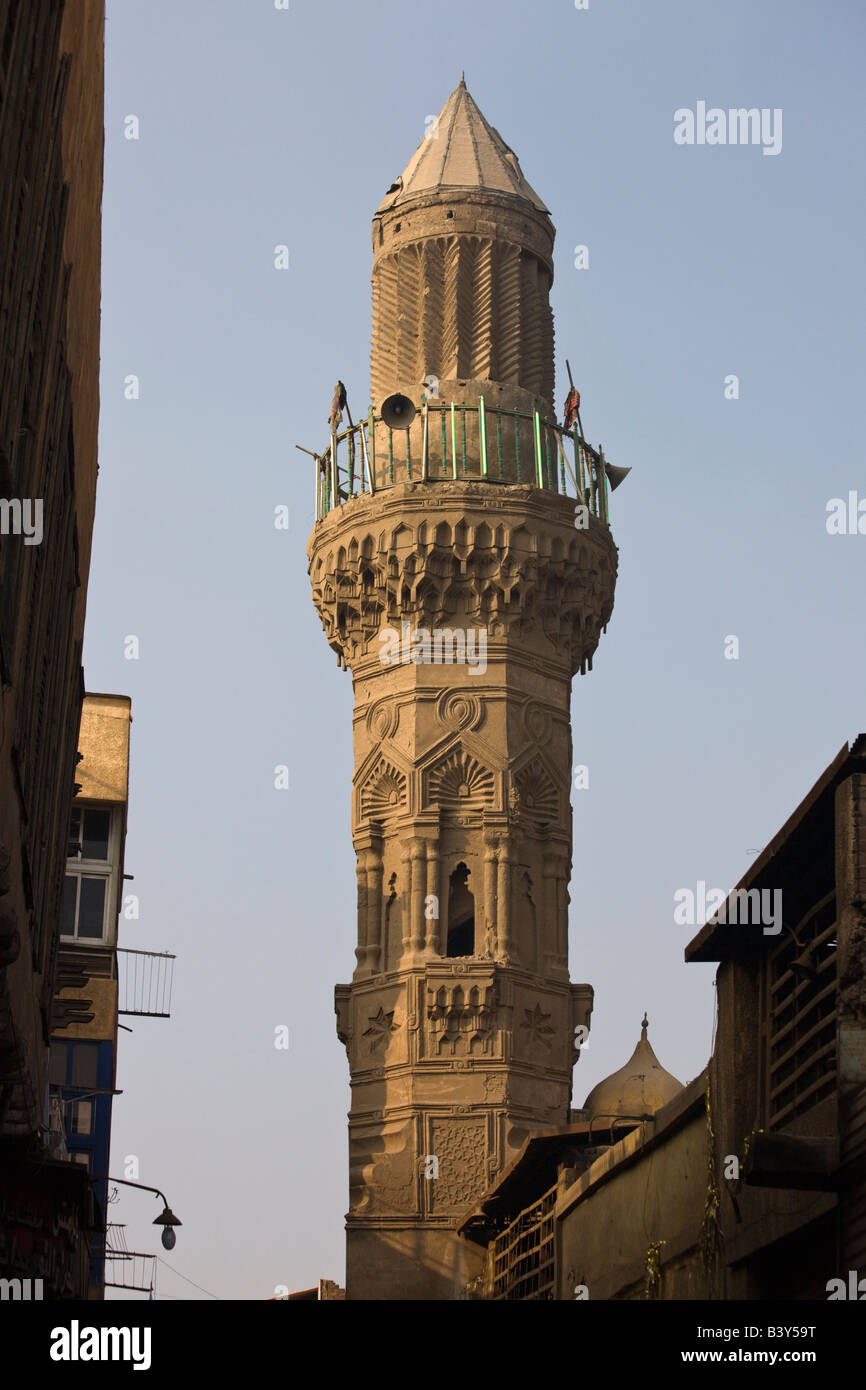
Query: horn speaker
pixel 398 412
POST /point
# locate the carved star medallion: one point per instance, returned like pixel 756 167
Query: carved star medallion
pixel 381 1024
pixel 536 1025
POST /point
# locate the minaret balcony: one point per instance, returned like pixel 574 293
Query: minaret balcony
pixel 446 442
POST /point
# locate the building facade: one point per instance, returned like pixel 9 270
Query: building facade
pixel 51 147
pixel 83 1066
pixel 749 1183
pixel 463 568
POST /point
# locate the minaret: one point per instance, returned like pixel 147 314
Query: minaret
pixel 463 568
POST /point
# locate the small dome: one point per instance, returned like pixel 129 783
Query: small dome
pixel 641 1087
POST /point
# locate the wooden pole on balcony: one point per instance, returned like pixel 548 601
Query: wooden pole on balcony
pixel 350 449
pixel 335 494
pixel 482 435
pixel 578 463
pixel 517 441
pixel 424 464
pixel 365 459
pixel 372 459
pixel 444 441
pixel 453 440
pixel 563 464
pixel 499 440
pixel 571 384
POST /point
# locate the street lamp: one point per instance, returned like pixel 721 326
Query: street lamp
pixel 166 1219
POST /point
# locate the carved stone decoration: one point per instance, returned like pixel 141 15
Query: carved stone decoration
pixel 381 1024
pixel 460 781
pixel 384 792
pixel 494 1087
pixel 382 720
pixel 537 1027
pixel 537 794
pixel 461 1019
pixel 382 1177
pixel 547 585
pixel 461 1148
pixel 536 721
pixel 438 285
pixel 343 1010
pixel 458 710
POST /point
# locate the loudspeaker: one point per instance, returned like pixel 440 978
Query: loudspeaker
pixel 615 475
pixel 398 412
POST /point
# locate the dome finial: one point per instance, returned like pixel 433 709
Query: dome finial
pixel 643 1027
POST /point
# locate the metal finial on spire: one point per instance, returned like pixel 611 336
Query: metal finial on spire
pixel 643 1027
pixel 463 78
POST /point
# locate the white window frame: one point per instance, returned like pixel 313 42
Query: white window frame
pixel 78 867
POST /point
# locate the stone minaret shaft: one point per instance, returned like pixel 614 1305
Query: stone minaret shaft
pixel 460 1019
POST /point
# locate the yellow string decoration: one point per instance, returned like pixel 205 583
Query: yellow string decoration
pixel 710 1237
pixel 652 1286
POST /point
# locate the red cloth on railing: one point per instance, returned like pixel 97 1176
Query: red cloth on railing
pixel 337 406
pixel 571 407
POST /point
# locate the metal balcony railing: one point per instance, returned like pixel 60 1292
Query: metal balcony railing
pixel 453 442
pixel 144 982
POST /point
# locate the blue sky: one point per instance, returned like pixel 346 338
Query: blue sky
pixel 261 127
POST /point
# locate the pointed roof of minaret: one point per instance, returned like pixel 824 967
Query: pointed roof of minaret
pixel 466 153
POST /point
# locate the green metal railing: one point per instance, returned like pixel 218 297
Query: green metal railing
pixel 558 460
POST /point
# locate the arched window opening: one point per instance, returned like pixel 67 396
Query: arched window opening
pixel 393 926
pixel 461 915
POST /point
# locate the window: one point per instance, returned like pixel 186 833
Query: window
pixel 82 1116
pixel 85 1062
pixel 88 897
pixel 461 915
pixel 523 1255
pixel 82 1157
pixel 74 1064
pixel 801 1024
pixel 90 832
pixel 84 906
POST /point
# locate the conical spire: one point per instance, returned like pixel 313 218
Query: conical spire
pixel 462 151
